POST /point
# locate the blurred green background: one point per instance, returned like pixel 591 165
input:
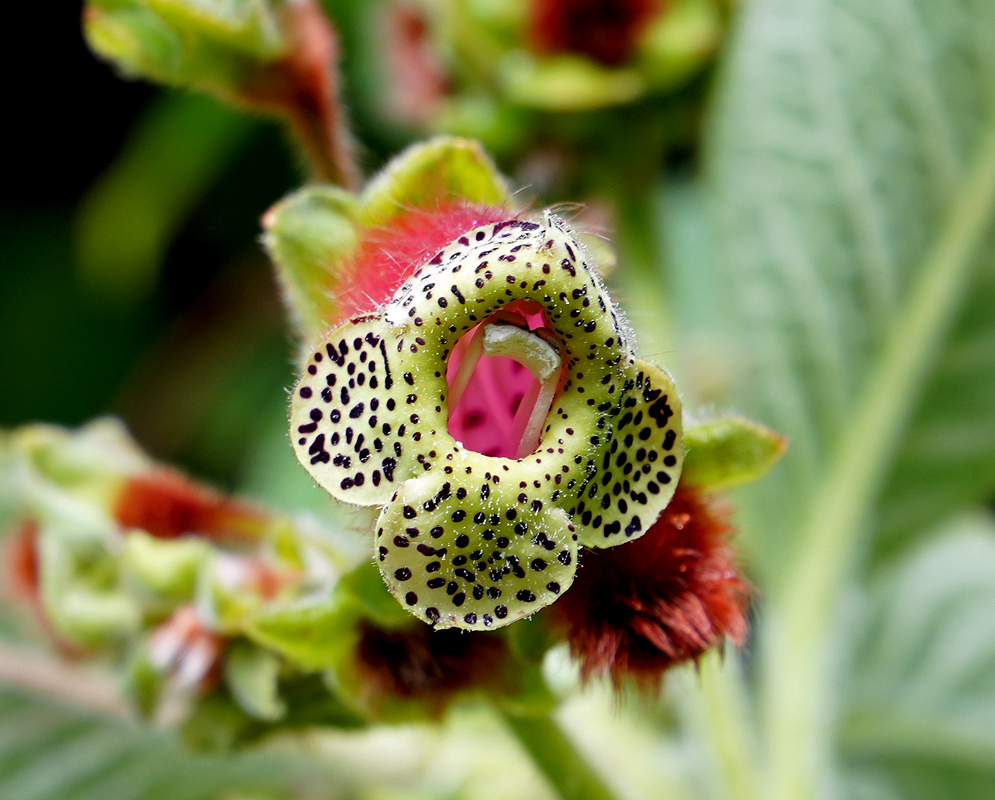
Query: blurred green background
pixel 176 327
pixel 132 283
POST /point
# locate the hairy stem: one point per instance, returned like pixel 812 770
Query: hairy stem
pixel 722 707
pixel 556 757
pixel 304 86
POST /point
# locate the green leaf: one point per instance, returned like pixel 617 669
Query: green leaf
pixel 862 262
pixel 920 713
pixel 248 25
pixel 308 236
pixel 729 451
pixel 48 752
pixel 364 586
pixel 163 570
pixel 320 633
pixel 680 43
pixel 429 172
pixel 567 83
pixel 80 587
pixel 312 635
pixel 852 170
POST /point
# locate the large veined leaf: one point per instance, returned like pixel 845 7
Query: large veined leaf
pixel 853 165
pixel 48 752
pixel 920 715
pixel 852 174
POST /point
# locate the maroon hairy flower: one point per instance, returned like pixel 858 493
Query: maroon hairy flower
pixel 638 609
pixel 418 663
pixel 606 31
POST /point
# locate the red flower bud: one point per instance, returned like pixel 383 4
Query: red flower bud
pixel 606 31
pixel 418 81
pixel 637 609
pixel 167 505
pixel 187 650
pixel 20 561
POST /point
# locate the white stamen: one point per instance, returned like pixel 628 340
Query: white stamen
pixel 543 361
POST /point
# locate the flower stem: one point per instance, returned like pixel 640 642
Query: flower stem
pixel 304 86
pixel 722 706
pixel 555 756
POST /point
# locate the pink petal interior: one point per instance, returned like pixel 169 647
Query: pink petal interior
pixel 483 418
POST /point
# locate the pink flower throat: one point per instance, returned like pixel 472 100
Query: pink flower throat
pixel 497 405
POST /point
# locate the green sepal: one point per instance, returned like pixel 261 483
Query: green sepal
pixel 729 451
pixel 216 723
pixel 423 175
pixel 319 634
pixel 162 570
pixel 309 235
pixel 249 26
pixel 228 604
pixel 310 635
pixel 252 676
pixel 219 720
pixel 289 544
pixel 74 477
pixel 144 682
pixel 365 587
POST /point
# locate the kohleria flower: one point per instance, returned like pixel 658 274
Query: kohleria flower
pixel 591 454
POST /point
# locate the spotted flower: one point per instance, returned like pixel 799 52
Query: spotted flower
pixel 590 457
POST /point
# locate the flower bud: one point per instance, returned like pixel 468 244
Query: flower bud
pixel 635 611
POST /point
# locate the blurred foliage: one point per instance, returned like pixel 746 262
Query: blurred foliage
pixel 106 759
pixel 849 196
pixel 122 306
pixel 129 217
pixel 919 714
